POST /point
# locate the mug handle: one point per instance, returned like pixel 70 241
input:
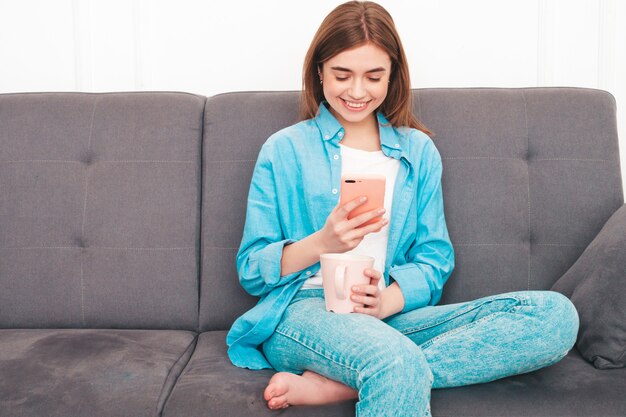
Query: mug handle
pixel 340 279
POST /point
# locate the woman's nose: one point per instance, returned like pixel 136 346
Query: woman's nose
pixel 357 90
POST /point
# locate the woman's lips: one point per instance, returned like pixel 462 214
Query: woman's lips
pixel 355 106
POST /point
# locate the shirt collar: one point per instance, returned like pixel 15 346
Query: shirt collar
pixel 328 124
pixel 393 144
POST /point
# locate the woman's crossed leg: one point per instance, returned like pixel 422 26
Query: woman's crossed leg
pixel 358 353
pixel 465 343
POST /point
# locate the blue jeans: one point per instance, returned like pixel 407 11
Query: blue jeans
pixel 394 363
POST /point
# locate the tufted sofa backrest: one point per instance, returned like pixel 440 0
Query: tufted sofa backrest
pixel 100 210
pixel 126 210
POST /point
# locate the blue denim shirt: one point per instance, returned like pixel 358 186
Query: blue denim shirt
pixel 295 186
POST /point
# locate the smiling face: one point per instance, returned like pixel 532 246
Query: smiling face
pixel 355 83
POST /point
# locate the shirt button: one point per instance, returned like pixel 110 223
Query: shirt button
pixel 336 156
pixel 334 191
pixel 326 137
pixel 397 145
pixel 308 272
pixel 340 134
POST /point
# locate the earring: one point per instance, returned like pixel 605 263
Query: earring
pixel 321 81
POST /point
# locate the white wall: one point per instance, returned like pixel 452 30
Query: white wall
pixel 209 47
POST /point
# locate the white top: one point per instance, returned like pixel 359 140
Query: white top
pixel 356 161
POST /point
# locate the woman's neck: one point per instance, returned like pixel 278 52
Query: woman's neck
pixel 362 135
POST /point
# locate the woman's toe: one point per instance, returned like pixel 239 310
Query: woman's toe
pixel 277 403
pixel 274 390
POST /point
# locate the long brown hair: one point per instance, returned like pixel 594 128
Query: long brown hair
pixel 350 25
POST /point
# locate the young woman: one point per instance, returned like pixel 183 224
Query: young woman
pixel 356 106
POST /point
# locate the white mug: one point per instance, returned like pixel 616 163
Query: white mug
pixel 341 271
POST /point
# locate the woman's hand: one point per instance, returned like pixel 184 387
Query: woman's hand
pixel 369 295
pixel 377 303
pixel 340 235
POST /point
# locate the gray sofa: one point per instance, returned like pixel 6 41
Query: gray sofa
pixel 121 214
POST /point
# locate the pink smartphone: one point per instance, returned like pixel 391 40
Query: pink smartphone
pixel 357 185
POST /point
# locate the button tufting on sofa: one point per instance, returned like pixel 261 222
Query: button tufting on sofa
pixel 87 158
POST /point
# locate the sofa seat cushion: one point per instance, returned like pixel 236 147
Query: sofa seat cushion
pixel 211 385
pixel 82 372
pixel 569 388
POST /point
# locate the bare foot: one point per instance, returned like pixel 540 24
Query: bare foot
pixel 285 389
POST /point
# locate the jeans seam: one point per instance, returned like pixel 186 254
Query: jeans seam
pixel 460 313
pixel 467 326
pixel 315 351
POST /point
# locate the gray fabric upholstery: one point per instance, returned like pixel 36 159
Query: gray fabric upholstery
pixel 570 388
pixel 529 178
pixel 210 382
pixel 99 214
pixel 121 215
pixel 82 372
pixel 596 284
pixel 231 146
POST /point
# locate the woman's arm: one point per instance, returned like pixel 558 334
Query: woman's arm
pixel 392 300
pixel 301 254
pixel 337 236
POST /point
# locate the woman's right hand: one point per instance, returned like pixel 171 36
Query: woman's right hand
pixel 341 235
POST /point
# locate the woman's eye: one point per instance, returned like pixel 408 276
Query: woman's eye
pixel 341 78
pixel 374 79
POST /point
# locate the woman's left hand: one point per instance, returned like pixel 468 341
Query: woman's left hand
pixel 369 295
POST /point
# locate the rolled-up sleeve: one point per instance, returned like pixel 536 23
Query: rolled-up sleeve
pixel 260 252
pixel 430 258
